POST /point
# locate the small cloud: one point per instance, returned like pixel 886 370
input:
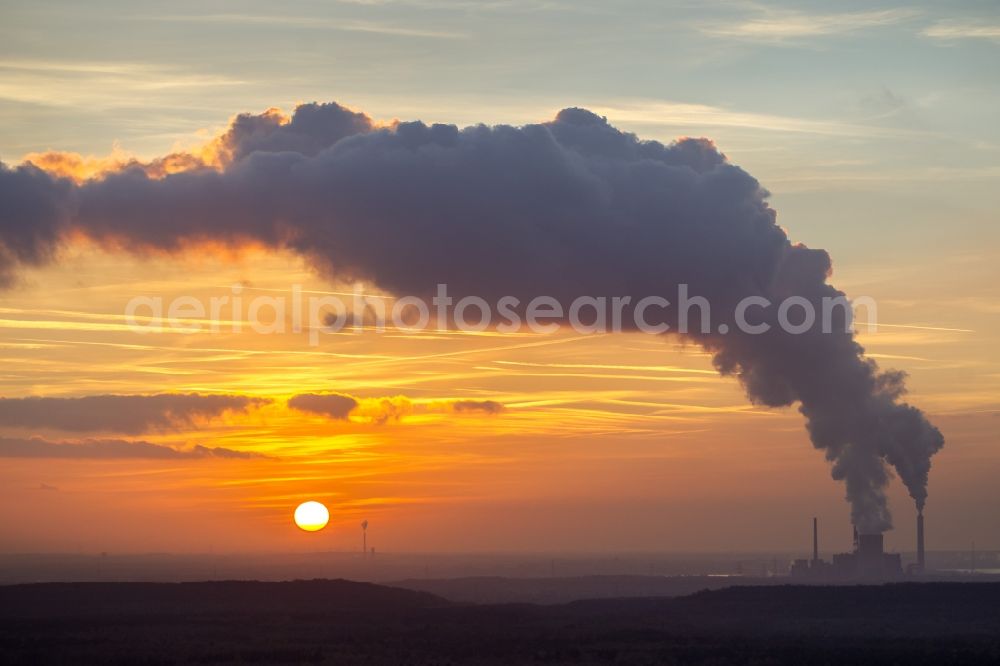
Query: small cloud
pixel 45 486
pixel 483 406
pixel 884 102
pixel 333 405
pixel 199 451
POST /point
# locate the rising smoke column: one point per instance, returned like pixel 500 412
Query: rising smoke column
pixel 573 207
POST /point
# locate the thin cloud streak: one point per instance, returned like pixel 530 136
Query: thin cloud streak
pixel 72 67
pixel 113 449
pixel 605 366
pixel 598 375
pixel 917 327
pixel 776 26
pixel 683 114
pixel 311 22
pixel 951 30
pixel 100 86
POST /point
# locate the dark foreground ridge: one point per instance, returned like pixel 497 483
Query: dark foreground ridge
pixel 342 622
pixel 52 600
pixel 564 589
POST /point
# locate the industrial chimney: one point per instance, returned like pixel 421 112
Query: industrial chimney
pixel 920 541
pixel 815 541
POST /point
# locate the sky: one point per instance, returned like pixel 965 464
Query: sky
pixel 872 127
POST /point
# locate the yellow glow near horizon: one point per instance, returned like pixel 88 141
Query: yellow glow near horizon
pixel 311 516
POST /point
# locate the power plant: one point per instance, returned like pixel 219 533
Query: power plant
pixel 868 560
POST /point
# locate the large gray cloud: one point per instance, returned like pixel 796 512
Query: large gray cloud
pixel 112 449
pixel 566 208
pixel 128 414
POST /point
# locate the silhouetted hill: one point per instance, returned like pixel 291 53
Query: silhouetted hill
pixel 300 596
pixel 339 622
pixel 560 590
pixel 564 589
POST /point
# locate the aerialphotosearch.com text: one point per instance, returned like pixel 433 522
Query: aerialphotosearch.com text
pixel 331 313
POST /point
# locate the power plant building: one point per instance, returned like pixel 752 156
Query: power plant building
pixel 868 560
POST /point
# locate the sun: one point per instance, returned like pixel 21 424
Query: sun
pixel 311 516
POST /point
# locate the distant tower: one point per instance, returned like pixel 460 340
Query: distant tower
pixel 364 538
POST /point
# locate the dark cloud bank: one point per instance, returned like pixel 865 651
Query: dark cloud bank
pixel 127 414
pixel 566 208
pixel 112 449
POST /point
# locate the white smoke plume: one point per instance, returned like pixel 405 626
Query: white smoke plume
pixel 572 207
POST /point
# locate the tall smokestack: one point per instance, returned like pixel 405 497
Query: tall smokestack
pixel 920 540
pixel 815 541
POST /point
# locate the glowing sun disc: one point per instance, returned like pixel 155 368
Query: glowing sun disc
pixel 311 516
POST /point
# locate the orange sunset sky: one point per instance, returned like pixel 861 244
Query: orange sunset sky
pixel 880 145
